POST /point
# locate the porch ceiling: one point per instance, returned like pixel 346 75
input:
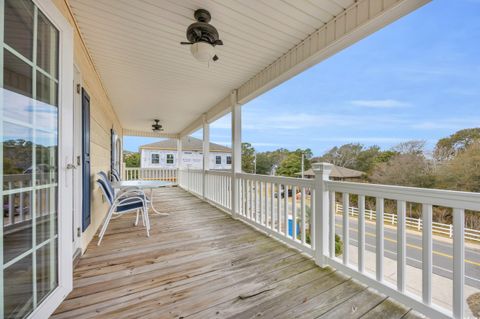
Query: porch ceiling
pixel 135 46
pixel 148 74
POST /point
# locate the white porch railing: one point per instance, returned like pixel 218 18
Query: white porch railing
pixel 301 213
pixel 218 188
pixel 191 180
pixel 161 174
pixel 411 222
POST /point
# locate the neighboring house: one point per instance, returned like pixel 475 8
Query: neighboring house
pixel 164 154
pixel 338 173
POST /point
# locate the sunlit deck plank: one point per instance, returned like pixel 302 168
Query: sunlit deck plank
pixel 200 263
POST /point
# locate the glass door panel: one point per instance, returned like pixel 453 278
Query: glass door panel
pixel 29 124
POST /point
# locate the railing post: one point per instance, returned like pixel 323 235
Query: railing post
pixel 179 160
pixel 236 151
pixel 206 155
pixel 322 174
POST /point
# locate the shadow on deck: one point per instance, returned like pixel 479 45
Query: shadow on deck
pixel 200 263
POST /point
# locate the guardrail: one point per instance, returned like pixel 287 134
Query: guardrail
pixel 278 206
pixel 218 188
pixel 413 223
pixel 191 180
pixel 302 212
pixel 159 174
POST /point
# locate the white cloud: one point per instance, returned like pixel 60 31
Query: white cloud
pixel 371 139
pixel 380 104
pixel 447 124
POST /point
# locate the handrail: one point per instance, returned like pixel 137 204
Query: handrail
pixel 440 197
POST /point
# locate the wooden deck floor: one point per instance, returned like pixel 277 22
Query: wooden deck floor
pixel 200 263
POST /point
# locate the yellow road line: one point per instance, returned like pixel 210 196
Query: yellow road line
pixel 415 247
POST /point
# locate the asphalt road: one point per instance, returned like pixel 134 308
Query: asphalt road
pixel 442 250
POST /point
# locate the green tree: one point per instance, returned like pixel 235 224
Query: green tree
pixel 248 158
pixel 132 160
pixel 266 161
pixel 461 172
pixel 404 170
pixel 345 155
pixel 292 164
pixel 446 148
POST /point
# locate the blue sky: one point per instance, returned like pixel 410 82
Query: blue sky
pixel 418 78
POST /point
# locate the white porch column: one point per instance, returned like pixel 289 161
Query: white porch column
pixel 236 149
pixel 206 153
pixel 179 158
pixel 321 222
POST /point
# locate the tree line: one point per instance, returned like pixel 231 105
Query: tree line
pixel 453 164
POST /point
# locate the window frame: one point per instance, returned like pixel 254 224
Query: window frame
pixel 157 160
pixel 172 159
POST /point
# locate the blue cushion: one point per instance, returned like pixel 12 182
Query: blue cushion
pixel 105 190
pixel 133 204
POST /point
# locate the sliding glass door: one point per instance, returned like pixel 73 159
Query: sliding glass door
pixel 30 152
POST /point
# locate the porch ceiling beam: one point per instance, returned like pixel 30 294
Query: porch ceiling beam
pixel 353 24
pixel 128 132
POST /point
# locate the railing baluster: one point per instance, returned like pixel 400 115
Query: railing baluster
pixel 361 233
pixel 272 201
pixel 346 227
pixel 21 202
pixel 250 193
pixel 427 254
pixel 285 204
pixel 312 218
pixel 401 245
pixel 260 202
pixel 266 204
pixel 379 239
pixel 332 208
pixel 304 216
pixel 279 205
pixel 294 212
pixel 458 262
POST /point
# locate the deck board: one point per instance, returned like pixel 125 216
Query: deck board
pixel 200 263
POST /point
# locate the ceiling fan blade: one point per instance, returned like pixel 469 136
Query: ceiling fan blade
pixel 185 43
pixel 218 42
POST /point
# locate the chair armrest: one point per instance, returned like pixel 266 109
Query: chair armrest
pixel 129 193
pixel 128 189
pixel 120 201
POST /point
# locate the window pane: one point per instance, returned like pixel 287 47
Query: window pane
pixel 18 288
pixel 17 233
pixel 46 156
pixel 46 213
pixel 19 26
pixel 47 46
pixel 46 270
pixel 17 75
pixel 17 208
pixel 17 156
pixel 46 89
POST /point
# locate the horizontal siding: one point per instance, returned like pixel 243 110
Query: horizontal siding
pixel 102 119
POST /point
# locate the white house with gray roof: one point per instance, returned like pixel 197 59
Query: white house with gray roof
pixel 164 154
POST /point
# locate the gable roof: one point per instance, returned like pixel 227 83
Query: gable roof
pixel 337 172
pixel 188 144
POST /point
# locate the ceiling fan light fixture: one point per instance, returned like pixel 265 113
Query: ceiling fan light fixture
pixel 202 51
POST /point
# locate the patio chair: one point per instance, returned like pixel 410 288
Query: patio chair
pixel 115 176
pixel 126 201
